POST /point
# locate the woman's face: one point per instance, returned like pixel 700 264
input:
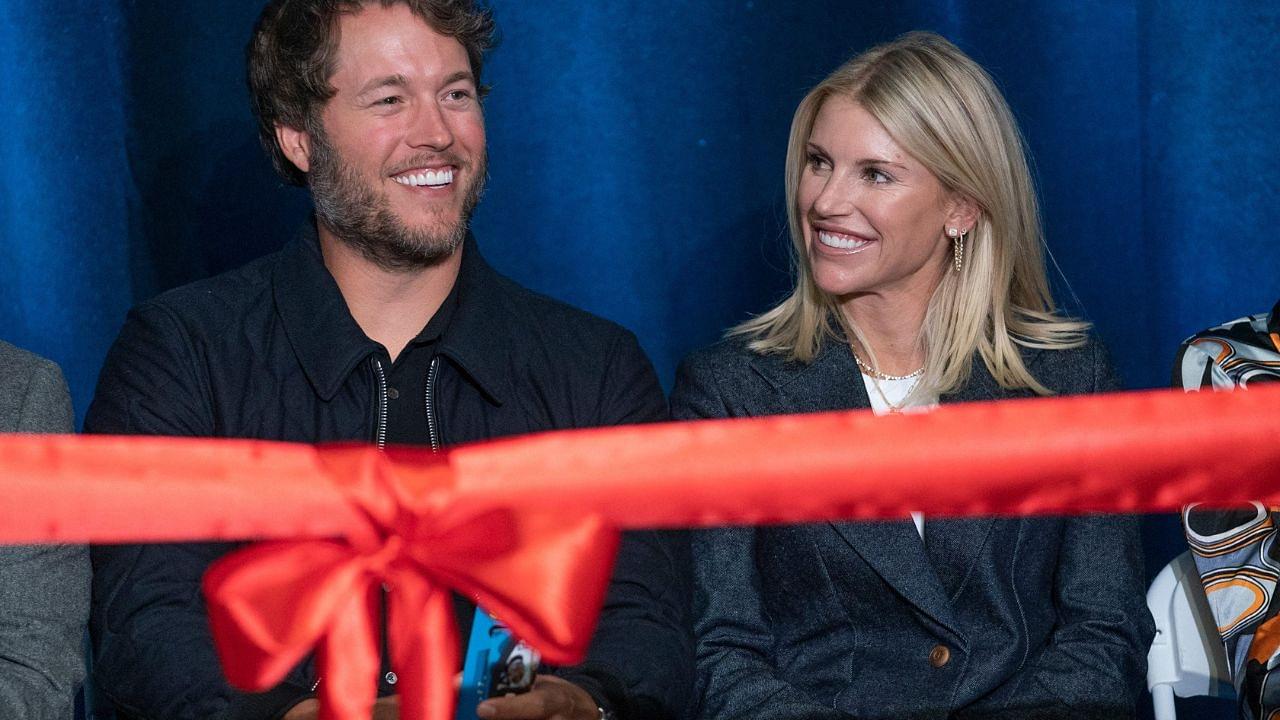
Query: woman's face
pixel 874 218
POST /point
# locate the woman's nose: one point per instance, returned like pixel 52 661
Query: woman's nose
pixel 836 199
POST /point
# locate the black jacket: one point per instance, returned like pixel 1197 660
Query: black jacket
pixel 270 351
pixel 1033 617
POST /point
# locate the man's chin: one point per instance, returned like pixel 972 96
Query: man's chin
pixel 413 251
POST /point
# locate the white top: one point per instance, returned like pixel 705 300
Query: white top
pixel 895 391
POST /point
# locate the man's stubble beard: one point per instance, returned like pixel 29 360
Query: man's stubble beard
pixel 361 216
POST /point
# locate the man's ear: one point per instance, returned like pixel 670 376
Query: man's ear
pixel 962 212
pixel 296 145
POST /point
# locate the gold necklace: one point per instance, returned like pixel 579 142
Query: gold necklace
pixel 876 374
pixel 894 409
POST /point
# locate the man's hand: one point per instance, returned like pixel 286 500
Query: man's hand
pixel 550 699
pixel 387 708
pixel 305 710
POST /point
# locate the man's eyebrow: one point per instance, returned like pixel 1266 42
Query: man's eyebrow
pixel 400 81
pixel 460 76
pixel 396 81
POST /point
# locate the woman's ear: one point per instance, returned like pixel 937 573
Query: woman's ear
pixel 962 212
pixel 296 145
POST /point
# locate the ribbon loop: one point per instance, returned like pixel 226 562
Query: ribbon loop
pixel 271 604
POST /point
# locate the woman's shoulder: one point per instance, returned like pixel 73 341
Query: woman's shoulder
pixel 727 354
pixel 1078 370
pixel 712 381
pixel 733 356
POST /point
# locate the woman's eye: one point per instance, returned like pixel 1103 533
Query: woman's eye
pixel 876 176
pixel 817 161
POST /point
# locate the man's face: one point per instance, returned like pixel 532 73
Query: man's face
pixel 398 163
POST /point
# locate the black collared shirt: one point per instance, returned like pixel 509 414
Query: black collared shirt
pixel 408 422
pixel 411 412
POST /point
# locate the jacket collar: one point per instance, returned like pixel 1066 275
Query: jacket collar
pixel 833 380
pixel 830 382
pixel 480 336
pixel 329 343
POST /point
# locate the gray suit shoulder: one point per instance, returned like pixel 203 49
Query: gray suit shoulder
pixel 712 381
pixel 727 356
pixel 33 393
pixel 44 590
pixel 14 361
pixel 1075 371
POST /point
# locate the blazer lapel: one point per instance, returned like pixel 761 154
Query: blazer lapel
pixel 964 538
pixel 830 383
pixel 893 549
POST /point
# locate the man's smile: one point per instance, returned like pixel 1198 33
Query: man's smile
pixel 420 177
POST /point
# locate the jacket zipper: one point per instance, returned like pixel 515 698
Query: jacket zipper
pixel 380 430
pixel 379 434
pixel 433 427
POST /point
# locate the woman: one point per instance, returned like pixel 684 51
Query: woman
pixel 920 280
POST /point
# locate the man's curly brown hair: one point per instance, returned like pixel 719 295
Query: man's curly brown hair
pixel 292 53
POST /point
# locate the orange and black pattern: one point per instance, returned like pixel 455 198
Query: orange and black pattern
pixel 1236 551
pixel 1231 355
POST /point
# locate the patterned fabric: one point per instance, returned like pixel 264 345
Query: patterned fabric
pixel 1235 551
pixel 1231 355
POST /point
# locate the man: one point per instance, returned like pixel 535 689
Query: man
pixel 44 590
pixel 383 323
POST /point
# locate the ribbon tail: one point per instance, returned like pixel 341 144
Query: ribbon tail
pixel 549 583
pixel 424 645
pixel 349 660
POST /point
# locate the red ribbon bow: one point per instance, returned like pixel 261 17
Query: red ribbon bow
pixel 545 576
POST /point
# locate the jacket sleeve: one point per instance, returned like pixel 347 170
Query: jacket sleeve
pixel 1095 663
pixel 153 651
pixel 736 676
pixel 639 664
pixel 44 590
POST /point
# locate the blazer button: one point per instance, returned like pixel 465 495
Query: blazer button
pixel 939 656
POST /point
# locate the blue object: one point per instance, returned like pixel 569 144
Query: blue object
pixel 491 645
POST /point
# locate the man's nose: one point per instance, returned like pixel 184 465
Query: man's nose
pixel 430 129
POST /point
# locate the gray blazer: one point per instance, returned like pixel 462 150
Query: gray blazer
pixel 1008 617
pixel 44 591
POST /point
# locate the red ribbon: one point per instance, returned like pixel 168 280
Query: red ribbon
pixel 521 525
pixel 273 603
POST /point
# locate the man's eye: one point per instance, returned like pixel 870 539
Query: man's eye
pixel 390 100
pixel 458 95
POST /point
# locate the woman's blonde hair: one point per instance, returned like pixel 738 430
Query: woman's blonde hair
pixel 946 112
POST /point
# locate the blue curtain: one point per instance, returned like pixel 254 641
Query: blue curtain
pixel 636 159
